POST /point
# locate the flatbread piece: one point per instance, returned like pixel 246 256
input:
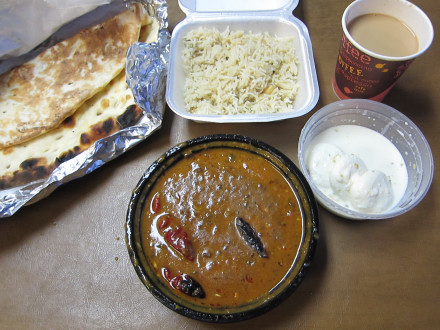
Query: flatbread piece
pixel 38 95
pixel 108 111
pixel 104 114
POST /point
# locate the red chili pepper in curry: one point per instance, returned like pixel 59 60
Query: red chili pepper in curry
pixel 184 283
pixel 174 235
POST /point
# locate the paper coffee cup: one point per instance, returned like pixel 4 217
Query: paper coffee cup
pixel 367 74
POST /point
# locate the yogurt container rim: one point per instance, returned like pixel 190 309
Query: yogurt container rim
pixel 269 13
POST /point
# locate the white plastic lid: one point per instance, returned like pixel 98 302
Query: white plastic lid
pixel 231 6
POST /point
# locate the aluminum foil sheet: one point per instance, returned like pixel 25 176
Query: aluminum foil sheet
pixel 146 70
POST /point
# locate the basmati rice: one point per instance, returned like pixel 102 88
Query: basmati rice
pixel 233 72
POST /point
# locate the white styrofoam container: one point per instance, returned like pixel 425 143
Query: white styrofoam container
pixel 274 17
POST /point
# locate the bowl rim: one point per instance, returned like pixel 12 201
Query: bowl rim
pixel 305 252
pixel 357 105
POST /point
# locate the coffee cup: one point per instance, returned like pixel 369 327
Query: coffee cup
pixel 380 40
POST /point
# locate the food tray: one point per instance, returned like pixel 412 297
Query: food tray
pixel 274 17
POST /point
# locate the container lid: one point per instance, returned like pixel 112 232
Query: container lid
pixel 236 6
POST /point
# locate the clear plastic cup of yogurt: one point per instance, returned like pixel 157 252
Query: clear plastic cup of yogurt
pixel 365 160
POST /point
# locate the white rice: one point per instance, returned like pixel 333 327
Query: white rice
pixel 233 72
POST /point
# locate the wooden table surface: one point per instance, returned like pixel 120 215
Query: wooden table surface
pixel 64 263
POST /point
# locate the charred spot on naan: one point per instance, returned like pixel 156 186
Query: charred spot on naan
pixel 130 117
pixel 101 130
pixel 33 169
pixel 30 170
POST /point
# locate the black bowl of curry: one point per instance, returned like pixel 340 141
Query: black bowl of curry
pixel 222 228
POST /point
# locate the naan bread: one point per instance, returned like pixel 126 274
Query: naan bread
pixel 105 113
pixel 38 95
pixel 108 111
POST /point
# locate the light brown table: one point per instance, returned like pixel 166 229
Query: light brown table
pixel 64 264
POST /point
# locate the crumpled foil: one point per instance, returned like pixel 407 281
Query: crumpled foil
pixel 146 70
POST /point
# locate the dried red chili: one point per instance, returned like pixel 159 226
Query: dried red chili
pixel 184 283
pixel 176 237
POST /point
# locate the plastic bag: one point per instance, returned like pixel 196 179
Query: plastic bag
pixel 24 24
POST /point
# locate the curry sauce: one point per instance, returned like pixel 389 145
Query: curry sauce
pixel 209 218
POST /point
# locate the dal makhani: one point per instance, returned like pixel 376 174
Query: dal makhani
pixel 222 227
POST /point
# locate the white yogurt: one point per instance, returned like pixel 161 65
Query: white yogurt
pixel 358 168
